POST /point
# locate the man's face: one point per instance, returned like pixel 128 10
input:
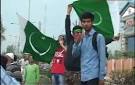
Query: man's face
pixel 77 36
pixel 10 60
pixel 86 24
pixel 30 59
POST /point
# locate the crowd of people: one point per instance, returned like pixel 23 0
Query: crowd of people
pixel 75 61
pixel 21 72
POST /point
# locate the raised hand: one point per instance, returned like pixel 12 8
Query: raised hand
pixel 69 9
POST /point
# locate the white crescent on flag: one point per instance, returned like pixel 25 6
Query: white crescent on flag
pixel 34 49
pixel 100 18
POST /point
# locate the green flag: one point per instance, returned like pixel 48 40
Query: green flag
pixel 101 12
pixel 40 46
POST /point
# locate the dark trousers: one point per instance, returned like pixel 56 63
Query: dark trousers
pixel 94 81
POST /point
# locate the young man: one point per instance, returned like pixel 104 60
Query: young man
pixel 93 63
pixel 72 62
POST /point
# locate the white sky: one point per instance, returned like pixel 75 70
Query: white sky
pixel 51 14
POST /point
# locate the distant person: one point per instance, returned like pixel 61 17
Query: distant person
pixel 12 67
pixel 23 62
pixel 57 64
pixel 31 72
pixel 5 78
pixel 12 64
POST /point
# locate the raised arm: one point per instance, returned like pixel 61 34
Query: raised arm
pixel 68 24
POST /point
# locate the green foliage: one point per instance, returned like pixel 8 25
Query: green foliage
pixel 10 49
pixel 131 54
pixel 119 54
pixel 2 30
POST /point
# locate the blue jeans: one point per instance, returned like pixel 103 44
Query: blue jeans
pixel 57 79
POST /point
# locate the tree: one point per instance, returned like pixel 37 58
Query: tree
pixel 131 54
pixel 2 30
pixel 10 49
pixel 110 54
pixel 118 54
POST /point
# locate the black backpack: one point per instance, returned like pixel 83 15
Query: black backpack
pixel 72 63
pixel 94 44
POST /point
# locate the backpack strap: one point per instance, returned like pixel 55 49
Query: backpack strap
pixel 94 41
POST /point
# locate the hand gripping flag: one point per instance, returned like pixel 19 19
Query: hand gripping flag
pixel 40 46
pixel 100 9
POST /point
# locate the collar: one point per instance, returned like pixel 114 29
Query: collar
pixel 91 32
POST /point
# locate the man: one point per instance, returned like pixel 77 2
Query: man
pixel 5 78
pixel 12 67
pixel 93 63
pixel 10 57
pixel 31 72
pixel 72 62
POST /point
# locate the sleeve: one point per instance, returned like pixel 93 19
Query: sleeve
pixel 68 29
pixel 25 73
pixel 6 79
pixel 51 63
pixel 102 56
pixel 37 73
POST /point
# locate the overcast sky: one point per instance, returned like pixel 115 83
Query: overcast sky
pixel 51 14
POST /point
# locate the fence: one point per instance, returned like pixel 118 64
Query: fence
pixel 120 64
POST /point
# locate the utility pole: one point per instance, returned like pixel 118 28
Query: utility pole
pixel 29 10
pixel 19 45
pixel 39 25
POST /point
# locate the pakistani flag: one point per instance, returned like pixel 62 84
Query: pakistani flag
pixel 40 46
pixel 101 12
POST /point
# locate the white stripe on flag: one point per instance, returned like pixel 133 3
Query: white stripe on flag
pixel 22 22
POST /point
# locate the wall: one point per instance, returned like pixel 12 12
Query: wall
pixel 120 64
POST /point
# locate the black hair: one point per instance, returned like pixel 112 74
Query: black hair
pixel 76 27
pixel 15 57
pixel 87 15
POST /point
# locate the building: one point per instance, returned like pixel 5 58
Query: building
pixel 127 34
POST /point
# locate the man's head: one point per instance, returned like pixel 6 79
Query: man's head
pixel 25 56
pixel 87 19
pixel 30 59
pixel 28 56
pixel 10 57
pixel 77 32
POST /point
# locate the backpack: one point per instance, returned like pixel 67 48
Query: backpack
pixel 72 63
pixel 94 44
